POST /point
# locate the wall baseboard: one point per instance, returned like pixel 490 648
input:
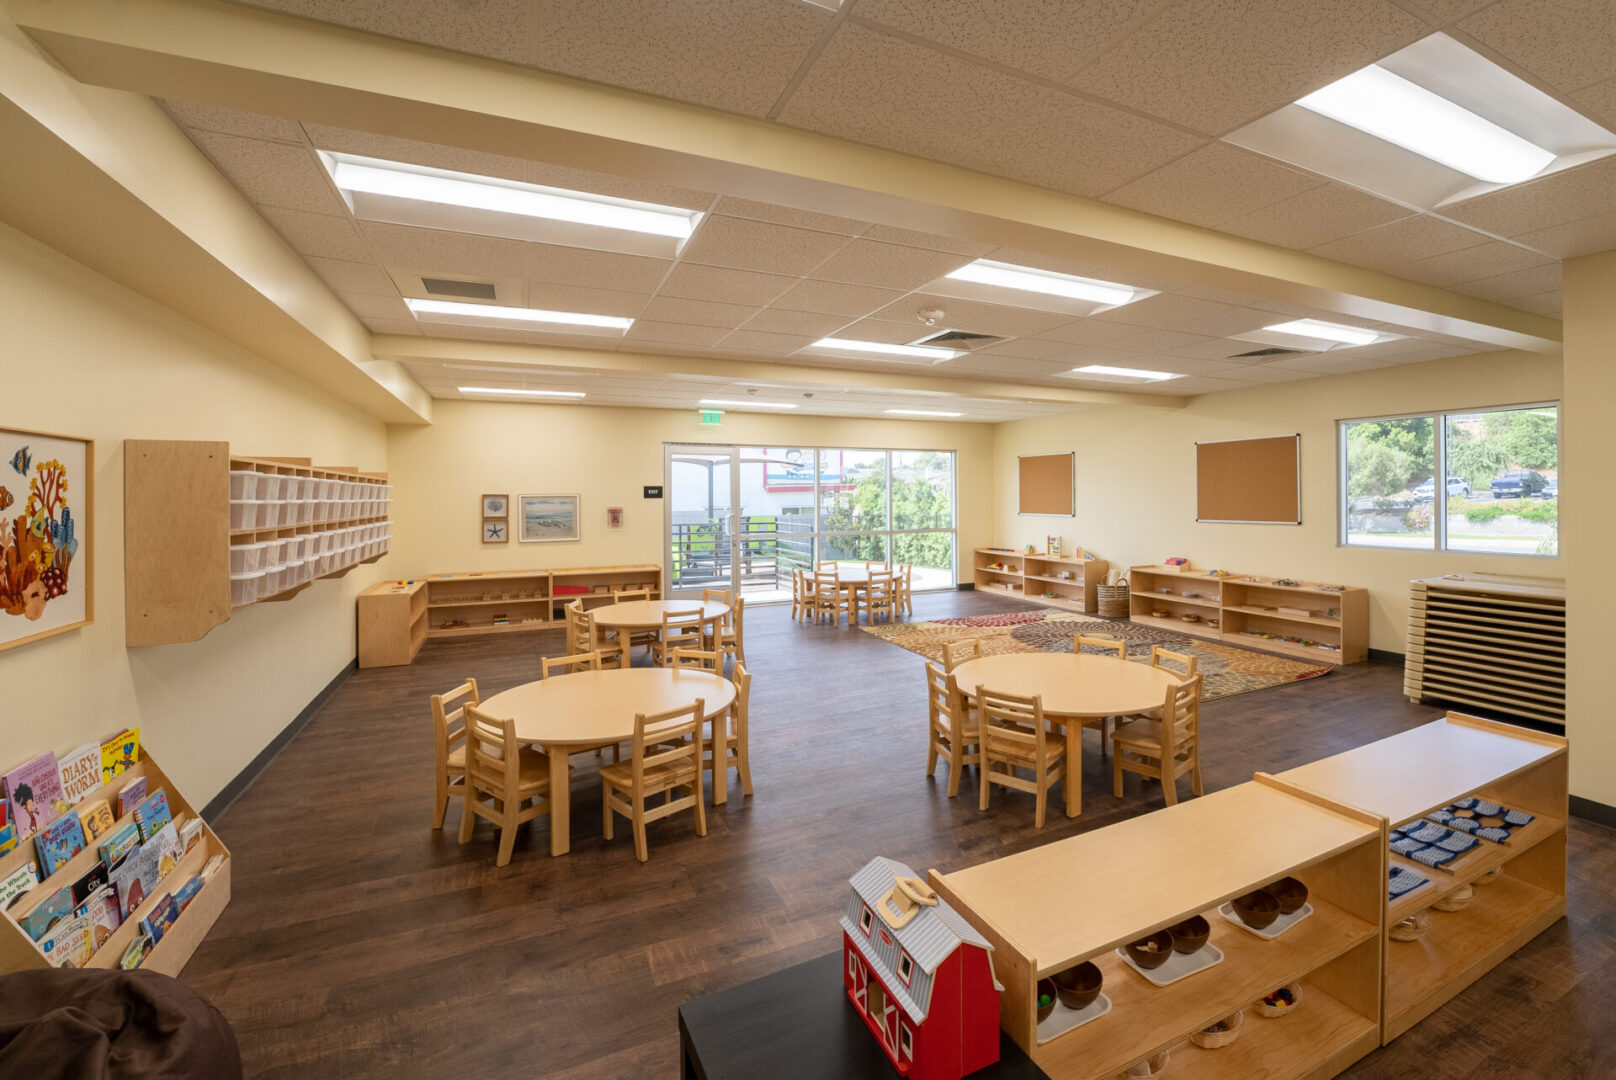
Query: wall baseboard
pixel 1383 656
pixel 243 780
pixel 966 586
pixel 1596 812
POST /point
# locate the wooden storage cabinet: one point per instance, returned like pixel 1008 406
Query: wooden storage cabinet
pixel 1079 899
pixel 1033 577
pixel 1246 607
pixel 392 623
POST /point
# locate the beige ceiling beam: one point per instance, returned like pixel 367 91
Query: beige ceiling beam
pixel 107 179
pixel 217 53
pixel 451 350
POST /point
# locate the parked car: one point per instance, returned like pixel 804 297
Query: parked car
pixel 1426 492
pixel 1518 485
pixel 1551 490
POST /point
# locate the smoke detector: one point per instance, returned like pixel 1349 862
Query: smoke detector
pixel 930 316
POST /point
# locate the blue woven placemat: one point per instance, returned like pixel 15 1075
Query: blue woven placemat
pixel 1467 816
pixel 1403 881
pixel 1429 843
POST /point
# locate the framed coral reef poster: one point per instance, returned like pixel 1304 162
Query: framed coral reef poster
pixel 47 496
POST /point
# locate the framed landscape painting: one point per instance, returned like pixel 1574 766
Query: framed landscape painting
pixel 46 499
pixel 546 518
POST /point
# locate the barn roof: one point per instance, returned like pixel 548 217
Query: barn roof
pixel 932 934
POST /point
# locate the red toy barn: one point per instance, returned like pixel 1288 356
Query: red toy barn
pixel 919 975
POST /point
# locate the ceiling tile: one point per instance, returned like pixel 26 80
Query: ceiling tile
pixel 272 173
pixel 1316 217
pixel 549 296
pixel 742 244
pixel 1044 37
pixel 1158 341
pixel 1267 373
pixel 1566 43
pixel 785 215
pixel 1027 348
pixel 1529 282
pixel 1214 65
pixel 737 55
pixel 1070 144
pixel 497 28
pixel 317 234
pixel 1444 11
pixel 1569 195
pixel 234 122
pixel 889 234
pixel 1212 185
pixel 835 298
pixel 1547 303
pixel 698 312
pixel 1488 260
pixel 1598 103
pixel 1401 242
pixel 781 321
pixel 595 269
pixel 353 277
pixel 367 306
pixel 884 330
pixel 754 341
pixel 892 266
pixel 646 330
pixel 894 93
pixel 1330 363
pixel 1584 237
pixel 1174 310
pixel 692 281
pixel 439 251
pixel 973 316
pixel 1089 332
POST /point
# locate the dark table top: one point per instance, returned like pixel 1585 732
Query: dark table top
pixel 797 1024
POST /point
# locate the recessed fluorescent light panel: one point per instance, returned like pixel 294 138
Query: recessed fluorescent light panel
pixel 1030 279
pixel 500 392
pixel 746 404
pixel 1325 331
pixel 463 314
pixel 1126 373
pixel 913 354
pixel 398 192
pixel 920 412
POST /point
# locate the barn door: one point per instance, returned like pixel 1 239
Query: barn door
pixel 861 981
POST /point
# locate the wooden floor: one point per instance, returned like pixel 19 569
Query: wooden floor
pixel 361 944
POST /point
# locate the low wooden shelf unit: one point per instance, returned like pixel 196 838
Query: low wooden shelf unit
pixel 1038 578
pixel 1330 624
pixel 392 623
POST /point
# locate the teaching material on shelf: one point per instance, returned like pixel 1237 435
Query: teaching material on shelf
pixel 119 753
pixel 1481 818
pixel 1327 623
pixel 58 842
pixel 120 842
pixel 131 795
pixel 392 623
pixel 207 532
pixel 53 906
pixel 90 882
pixel 1069 582
pixel 1430 844
pixel 80 772
pixel 70 943
pixel 1490 640
pixel 1280 924
pixel 16 881
pixel 1403 778
pixel 8 835
pixel 1177 966
pixel 97 818
pixel 34 794
pixel 19 952
pixel 1062 1019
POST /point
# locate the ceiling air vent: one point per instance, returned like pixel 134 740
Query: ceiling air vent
pixel 1266 354
pixel 471 290
pixel 957 339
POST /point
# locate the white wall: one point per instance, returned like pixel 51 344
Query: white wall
pixel 86 357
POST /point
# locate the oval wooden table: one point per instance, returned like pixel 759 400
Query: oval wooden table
pixel 643 616
pixel 1074 688
pixel 566 714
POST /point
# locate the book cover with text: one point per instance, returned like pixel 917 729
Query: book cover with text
pixel 119 843
pixel 119 753
pixel 34 790
pixel 81 772
pixel 58 842
pixel 97 818
pixel 152 814
pixel 131 795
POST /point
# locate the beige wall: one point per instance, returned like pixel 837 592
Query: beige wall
pixel 1136 479
pixel 607 455
pixel 1590 454
pixel 86 357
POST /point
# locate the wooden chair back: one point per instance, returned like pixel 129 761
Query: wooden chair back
pixel 945 704
pixel 589 661
pixel 449 735
pixel 906 587
pixel 1183 660
pixel 1116 646
pixel 580 629
pixel 628 595
pixel 875 564
pixel 709 596
pixel 825 564
pixel 1181 717
pixel 695 659
pixel 881 594
pixel 493 756
pixel 680 629
pixel 732 634
pixel 671 741
pixel 1013 724
pixel 956 653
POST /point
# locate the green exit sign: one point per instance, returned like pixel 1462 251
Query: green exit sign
pixel 711 416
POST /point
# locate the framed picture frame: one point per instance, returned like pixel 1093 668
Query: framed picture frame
pixel 47 518
pixel 496 531
pixel 496 506
pixel 614 517
pixel 547 519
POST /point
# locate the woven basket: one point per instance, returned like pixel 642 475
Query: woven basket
pixel 1265 1009
pixel 1114 600
pixel 1410 929
pixel 1212 1040
pixel 1457 900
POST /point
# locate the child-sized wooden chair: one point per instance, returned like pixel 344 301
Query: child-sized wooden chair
pixel 696 659
pixel 680 630
pixel 1014 736
pixel 732 632
pixel 1105 725
pixel 1164 748
pixel 448 745
pixel 953 733
pixel 730 749
pixel 666 760
pixel 881 595
pixel 956 653
pixel 507 774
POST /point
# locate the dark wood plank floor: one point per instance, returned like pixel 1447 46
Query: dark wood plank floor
pixel 362 944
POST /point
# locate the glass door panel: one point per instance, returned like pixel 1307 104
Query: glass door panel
pixel 700 515
pixel 775 525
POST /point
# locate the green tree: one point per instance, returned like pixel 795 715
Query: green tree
pixel 1530 437
pixel 1476 459
pixel 916 504
pixel 1377 469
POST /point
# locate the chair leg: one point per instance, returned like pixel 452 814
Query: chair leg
pixel 1042 802
pixel 956 768
pixel 1116 773
pixel 985 781
pixel 641 851
pixel 701 803
pixel 931 753
pixel 1169 784
pixel 743 764
pixel 606 811
pixel 1195 773
pixel 507 838
pixel 468 815
pixel 442 806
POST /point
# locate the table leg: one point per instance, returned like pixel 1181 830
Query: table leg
pixel 560 801
pixel 1074 767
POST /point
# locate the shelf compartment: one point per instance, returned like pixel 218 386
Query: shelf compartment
pixel 431 604
pixel 1173 598
pixel 486 628
pixel 1485 857
pixel 1331 1036
pixel 1312 620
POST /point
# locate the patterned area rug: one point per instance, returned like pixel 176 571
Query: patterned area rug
pixel 1227 669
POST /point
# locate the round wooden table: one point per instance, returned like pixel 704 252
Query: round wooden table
pixel 852 580
pixel 588 709
pixel 1074 688
pixel 642 616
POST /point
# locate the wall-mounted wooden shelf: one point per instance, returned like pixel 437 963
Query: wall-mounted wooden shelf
pixel 199 543
pixel 1247 609
pixel 1036 577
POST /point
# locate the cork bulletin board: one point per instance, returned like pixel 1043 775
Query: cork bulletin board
pixel 1249 481
pixel 1046 485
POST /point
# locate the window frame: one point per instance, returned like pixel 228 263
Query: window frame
pixel 906 966
pixel 866 920
pixel 1439 457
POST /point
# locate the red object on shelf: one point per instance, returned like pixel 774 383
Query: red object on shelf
pixel 571 590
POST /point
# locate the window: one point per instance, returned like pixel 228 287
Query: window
pixel 906 1042
pixel 1480 481
pixel 906 968
pixel 864 921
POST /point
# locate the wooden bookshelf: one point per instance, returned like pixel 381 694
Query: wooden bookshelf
pixel 188 537
pixel 18 952
pixel 1334 624
pixel 392 623
pixel 1185 860
pixel 1405 777
pixel 1037 578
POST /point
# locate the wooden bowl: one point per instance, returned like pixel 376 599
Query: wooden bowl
pixel 1410 929
pixel 1077 987
pixel 1222 1033
pixel 1160 614
pixel 1151 1066
pixel 1257 909
pixel 1457 900
pixel 1265 1009
pixel 1292 894
pixel 1191 934
pixel 1046 988
pixel 1190 618
pixel 1151 952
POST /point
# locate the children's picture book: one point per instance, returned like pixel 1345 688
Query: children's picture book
pixel 190 833
pixel 58 842
pixel 165 848
pixel 97 818
pixel 93 879
pixel 102 911
pixel 134 879
pixel 50 911
pixel 152 814
pixel 161 918
pixel 119 842
pixel 8 838
pixel 187 892
pixel 211 867
pixel 135 954
pixel 81 772
pixel 118 753
pixel 70 944
pixel 34 790
pixel 131 795
pixel 16 883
